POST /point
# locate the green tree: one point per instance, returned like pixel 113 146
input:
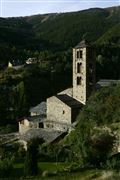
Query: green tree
pixel 31 160
pixel 6 167
pixel 101 144
pixel 4 106
pixel 20 101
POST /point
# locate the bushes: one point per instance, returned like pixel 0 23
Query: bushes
pixel 113 162
pixel 93 144
pixel 31 166
pixel 31 161
pixel 100 147
pixel 6 167
pixel 94 138
pixel 55 153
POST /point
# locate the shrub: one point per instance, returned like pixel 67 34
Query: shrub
pixel 31 160
pixel 6 166
pixel 113 162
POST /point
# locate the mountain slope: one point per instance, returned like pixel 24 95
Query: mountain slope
pixel 112 36
pixel 65 29
pixel 54 32
pixel 15 31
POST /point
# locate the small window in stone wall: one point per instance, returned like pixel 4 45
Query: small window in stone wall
pixel 79 54
pixel 40 125
pixel 47 125
pixel 79 79
pixel 22 122
pixel 63 111
pixel 79 67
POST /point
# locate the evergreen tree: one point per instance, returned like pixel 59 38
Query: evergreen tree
pixel 31 161
pixel 20 100
pixel 4 106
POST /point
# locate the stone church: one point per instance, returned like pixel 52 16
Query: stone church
pixel 58 115
pixel 54 119
pixel 63 108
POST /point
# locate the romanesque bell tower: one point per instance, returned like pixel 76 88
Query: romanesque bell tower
pixel 83 71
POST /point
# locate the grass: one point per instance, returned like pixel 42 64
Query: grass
pixel 53 166
pixel 50 167
pixel 85 175
pixel 43 166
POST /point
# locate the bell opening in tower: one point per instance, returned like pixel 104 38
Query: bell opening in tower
pixel 79 67
pixel 79 54
pixel 79 80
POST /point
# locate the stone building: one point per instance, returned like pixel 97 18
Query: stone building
pixel 63 108
pixel 31 122
pixel 35 120
pixel 31 60
pixel 15 64
pixel 60 111
pixel 83 71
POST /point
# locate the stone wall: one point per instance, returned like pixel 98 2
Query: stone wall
pixel 25 125
pixel 58 114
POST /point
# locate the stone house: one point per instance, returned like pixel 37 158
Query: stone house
pixel 35 120
pixel 31 61
pixel 32 122
pixel 15 64
pixel 60 111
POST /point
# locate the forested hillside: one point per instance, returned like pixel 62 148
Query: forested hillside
pixel 24 37
pixel 96 137
pixel 50 38
pixel 66 28
pixel 111 37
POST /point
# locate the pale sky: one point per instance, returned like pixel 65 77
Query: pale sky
pixel 13 8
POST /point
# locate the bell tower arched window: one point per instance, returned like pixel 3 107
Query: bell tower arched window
pixel 79 66
pixel 79 80
pixel 79 54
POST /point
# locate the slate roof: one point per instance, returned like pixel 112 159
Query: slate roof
pixel 38 118
pixel 71 102
pixel 47 135
pixel 16 62
pixel 106 82
pixel 82 44
pixel 40 108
